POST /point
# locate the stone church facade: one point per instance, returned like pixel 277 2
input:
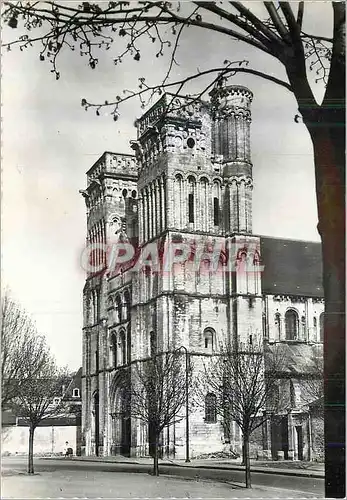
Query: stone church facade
pixel 189 185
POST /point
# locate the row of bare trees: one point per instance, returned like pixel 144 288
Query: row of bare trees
pixel 31 378
pixel 243 381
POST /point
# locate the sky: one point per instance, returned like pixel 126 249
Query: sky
pixel 49 141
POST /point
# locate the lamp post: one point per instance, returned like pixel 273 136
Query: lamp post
pixel 187 397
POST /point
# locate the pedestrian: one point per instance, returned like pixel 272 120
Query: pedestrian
pixel 65 452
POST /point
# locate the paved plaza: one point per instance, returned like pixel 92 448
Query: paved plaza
pixel 53 482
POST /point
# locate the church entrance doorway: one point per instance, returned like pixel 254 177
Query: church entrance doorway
pixel 121 422
pixel 96 423
pixel 284 437
pixel 299 442
pixel 279 437
pixel 125 436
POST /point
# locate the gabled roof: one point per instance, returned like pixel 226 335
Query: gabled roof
pixel 291 267
pixel 75 383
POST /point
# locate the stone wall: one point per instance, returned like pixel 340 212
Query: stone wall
pixel 15 440
pixel 309 311
pixel 318 450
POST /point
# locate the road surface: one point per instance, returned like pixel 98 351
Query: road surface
pixel 82 479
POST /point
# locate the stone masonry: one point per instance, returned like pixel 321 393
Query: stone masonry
pixel 188 182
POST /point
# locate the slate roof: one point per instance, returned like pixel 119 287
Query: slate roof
pixel 75 383
pixel 8 418
pixel 60 421
pixel 291 267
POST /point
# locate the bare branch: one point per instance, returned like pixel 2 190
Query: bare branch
pixel 316 37
pixel 18 336
pixel 300 15
pixel 228 71
pixel 109 21
pixel 277 21
pixel 212 7
pixel 257 23
pixel 294 28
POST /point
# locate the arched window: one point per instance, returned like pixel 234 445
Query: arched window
pixel 204 203
pixel 127 304
pixel 178 197
pixel 191 207
pixel 208 339
pixel 122 345
pixel 292 321
pixel 216 211
pixel 129 344
pixel 153 343
pixel 191 201
pixel 118 304
pixel 278 325
pixel 76 393
pixel 210 408
pixel 216 207
pixel 114 349
pixel 321 328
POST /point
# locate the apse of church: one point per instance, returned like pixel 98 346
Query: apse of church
pixel 187 189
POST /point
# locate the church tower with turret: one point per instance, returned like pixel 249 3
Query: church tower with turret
pixel 110 199
pixel 195 200
pixel 183 204
pixel 187 190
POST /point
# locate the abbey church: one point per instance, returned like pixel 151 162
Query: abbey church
pixel 189 183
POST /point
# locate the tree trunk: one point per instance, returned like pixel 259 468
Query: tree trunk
pixel 247 462
pixel 243 455
pixel 155 456
pixel 31 450
pixel 329 154
pixel 327 127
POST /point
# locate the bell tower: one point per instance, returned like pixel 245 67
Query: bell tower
pixel 231 108
pixel 110 198
pixel 174 150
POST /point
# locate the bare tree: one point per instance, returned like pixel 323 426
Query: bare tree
pixel 280 33
pixel 42 382
pixel 18 338
pixel 245 389
pixel 313 383
pixel 156 392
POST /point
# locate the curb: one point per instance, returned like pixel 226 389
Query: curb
pixel 281 472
